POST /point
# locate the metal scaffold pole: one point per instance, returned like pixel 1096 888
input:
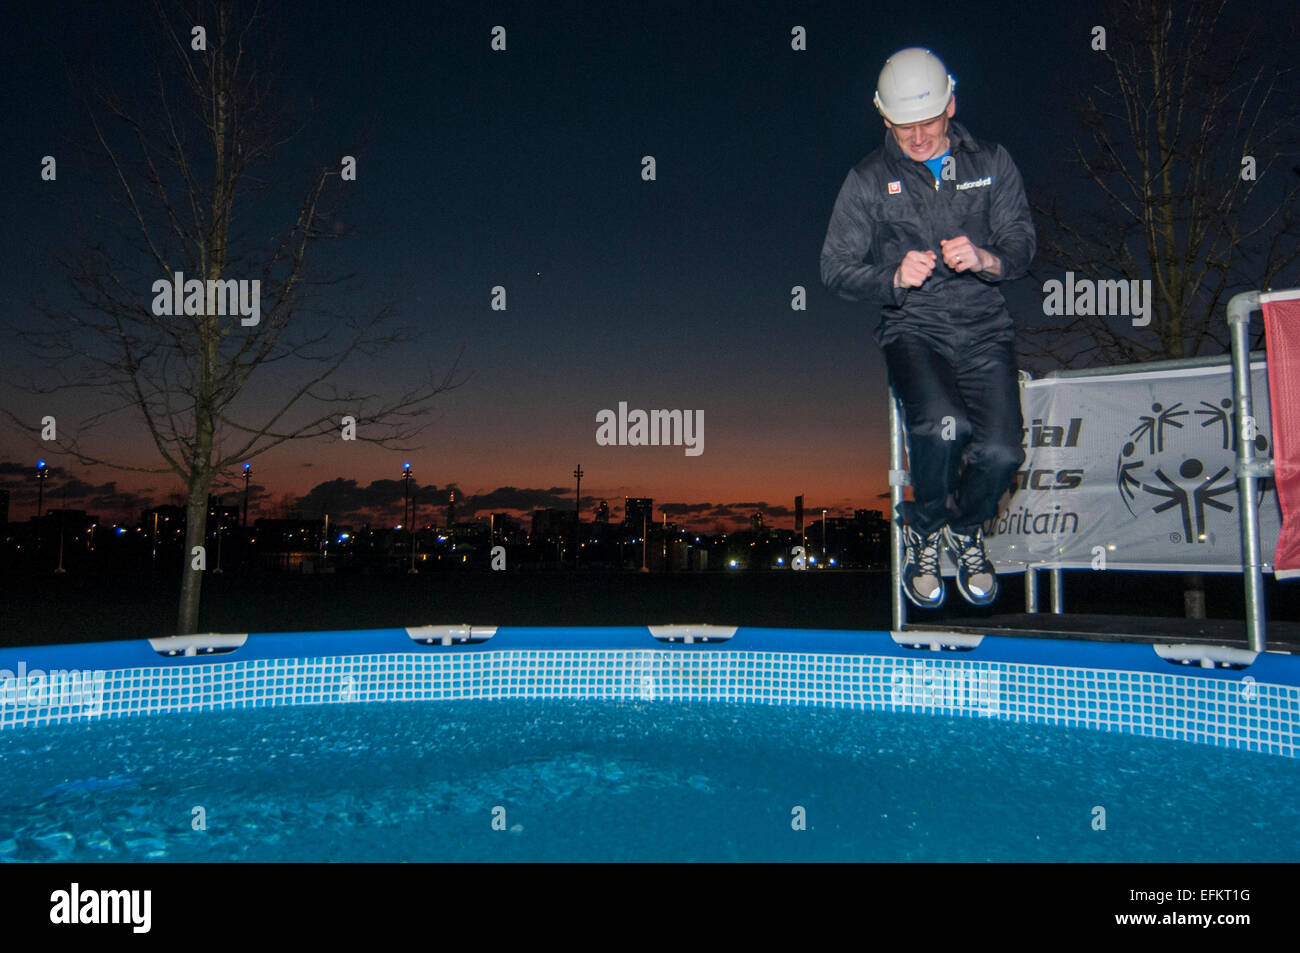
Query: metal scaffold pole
pixel 1249 470
pixel 897 480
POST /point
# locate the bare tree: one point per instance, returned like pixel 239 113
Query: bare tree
pixel 181 171
pixel 1184 139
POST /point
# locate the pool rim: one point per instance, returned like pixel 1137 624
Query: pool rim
pixel 1127 686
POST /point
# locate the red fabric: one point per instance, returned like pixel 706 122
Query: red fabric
pixel 1282 339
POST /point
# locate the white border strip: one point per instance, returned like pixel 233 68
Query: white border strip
pixel 1144 375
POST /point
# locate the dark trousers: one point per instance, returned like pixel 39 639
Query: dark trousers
pixel 974 384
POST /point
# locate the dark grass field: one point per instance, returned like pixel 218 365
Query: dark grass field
pixel 46 608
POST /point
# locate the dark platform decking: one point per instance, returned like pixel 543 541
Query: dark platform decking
pixel 1282 636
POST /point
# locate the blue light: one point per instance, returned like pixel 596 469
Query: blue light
pixel 40 464
pixel 248 466
pixel 406 466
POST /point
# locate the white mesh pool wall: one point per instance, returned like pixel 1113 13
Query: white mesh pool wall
pixel 1239 712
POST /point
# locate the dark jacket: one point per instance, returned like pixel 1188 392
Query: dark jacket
pixel 872 228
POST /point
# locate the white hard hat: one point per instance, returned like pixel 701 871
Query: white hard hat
pixel 913 86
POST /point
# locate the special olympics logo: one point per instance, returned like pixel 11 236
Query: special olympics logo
pixel 1167 464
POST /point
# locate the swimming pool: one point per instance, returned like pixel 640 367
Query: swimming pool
pixel 674 743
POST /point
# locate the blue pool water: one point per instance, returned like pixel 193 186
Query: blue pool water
pixel 629 781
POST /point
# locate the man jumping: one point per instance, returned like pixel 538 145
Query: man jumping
pixel 926 227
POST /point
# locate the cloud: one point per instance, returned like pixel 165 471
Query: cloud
pixel 62 491
pixel 685 509
pixel 17 469
pixel 522 499
pixel 342 498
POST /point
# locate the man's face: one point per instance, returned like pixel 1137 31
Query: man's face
pixel 924 140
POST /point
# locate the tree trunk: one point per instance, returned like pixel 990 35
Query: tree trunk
pixel 201 472
pixel 196 521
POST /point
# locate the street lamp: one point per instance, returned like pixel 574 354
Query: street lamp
pixel 217 571
pixel 42 474
pixel 577 518
pixel 823 537
pixel 406 480
pixel 62 516
pixel 412 571
pixel 406 500
pixel 248 470
pixel 644 542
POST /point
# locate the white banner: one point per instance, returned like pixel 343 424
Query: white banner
pixel 1133 471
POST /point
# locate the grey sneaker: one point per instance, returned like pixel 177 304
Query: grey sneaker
pixel 922 582
pixel 977 580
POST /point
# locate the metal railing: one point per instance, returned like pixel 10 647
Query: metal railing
pixel 1249 468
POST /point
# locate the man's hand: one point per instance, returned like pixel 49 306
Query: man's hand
pixel 915 268
pixel 960 254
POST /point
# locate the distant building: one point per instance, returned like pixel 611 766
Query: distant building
pixel 860 542
pixel 169 520
pixel 829 537
pixel 638 511
pixel 505 528
pixel 873 534
pixel 4 508
pixel 467 531
pixel 219 515
pixel 71 520
pixel 553 522
pixel 602 512
pixel 288 536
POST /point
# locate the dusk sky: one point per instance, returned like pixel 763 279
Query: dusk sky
pixel 523 169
